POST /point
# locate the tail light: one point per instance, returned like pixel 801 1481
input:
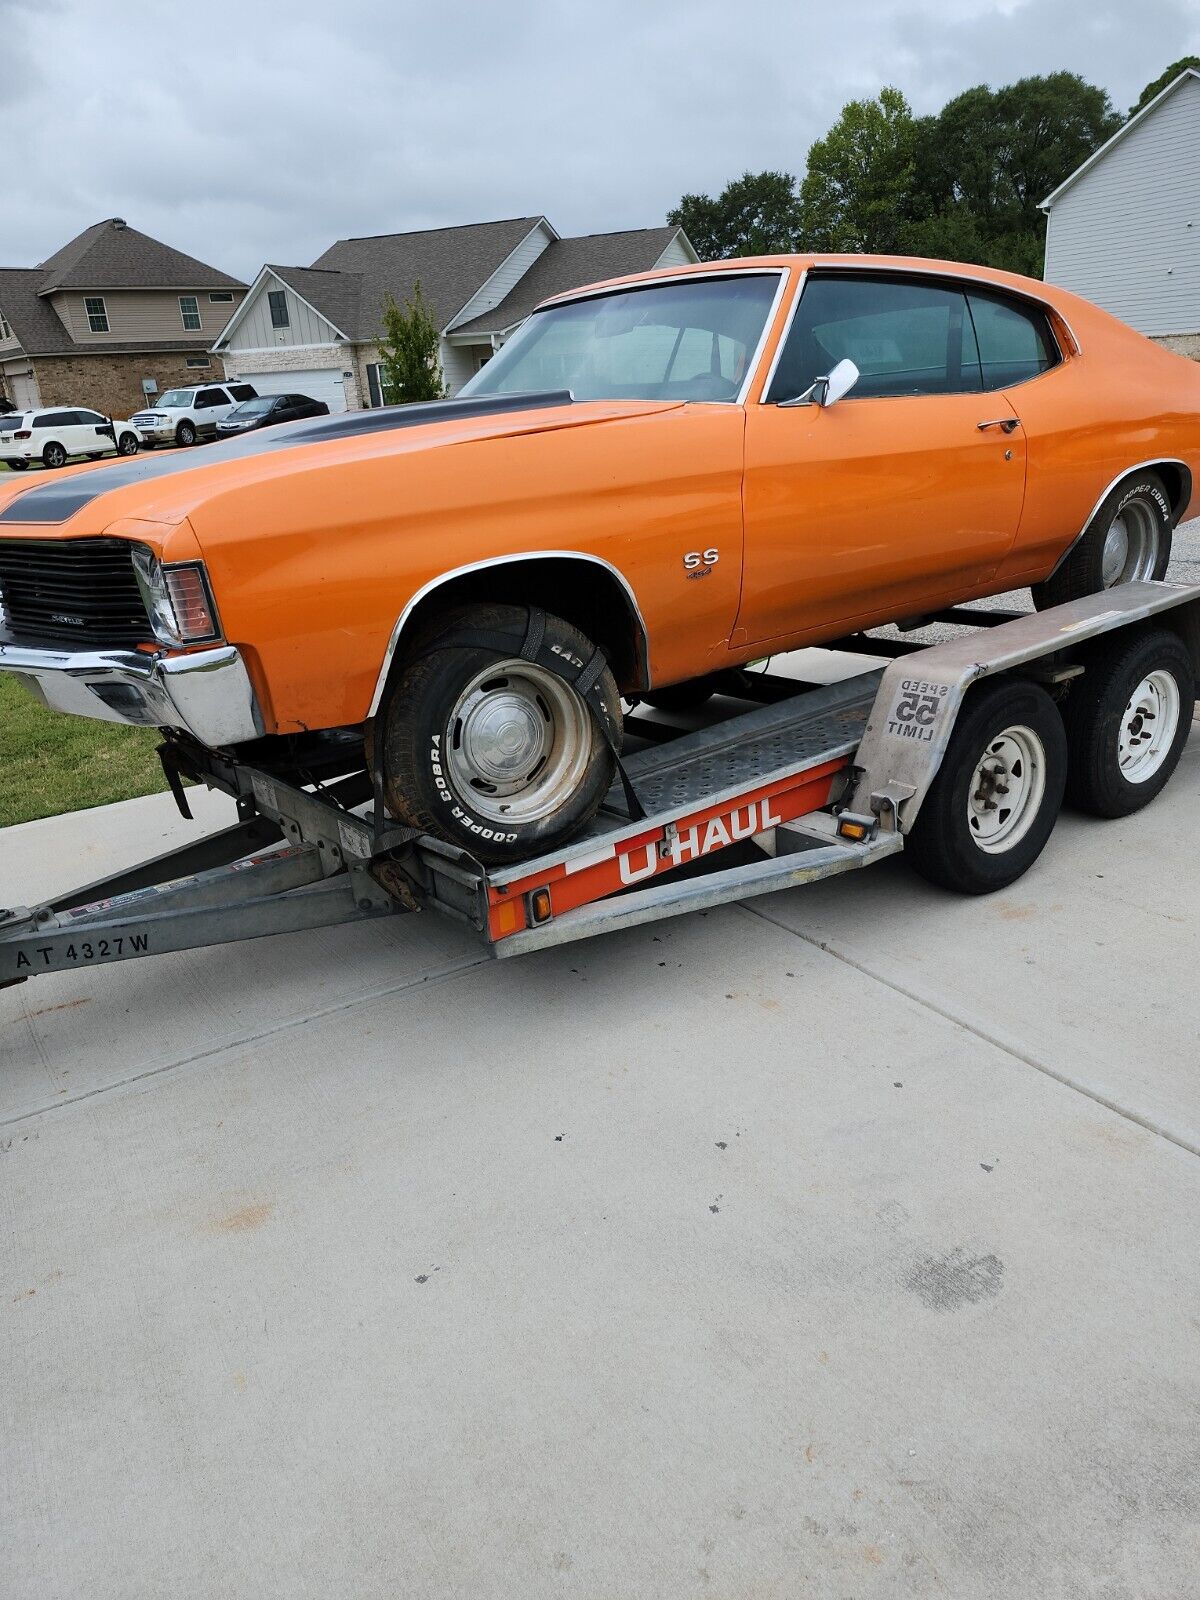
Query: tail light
pixel 23 433
pixel 178 599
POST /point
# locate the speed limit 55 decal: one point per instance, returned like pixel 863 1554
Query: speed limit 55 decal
pixel 916 709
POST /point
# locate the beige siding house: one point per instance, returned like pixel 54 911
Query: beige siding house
pixel 111 317
pixel 1124 229
pixel 316 329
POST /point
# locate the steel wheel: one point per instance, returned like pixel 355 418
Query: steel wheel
pixel 519 742
pixel 1148 727
pixel 1006 790
pixel 1131 545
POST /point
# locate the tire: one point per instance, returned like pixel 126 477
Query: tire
pixel 53 455
pixel 962 838
pixel 18 465
pixel 683 696
pixel 1127 720
pixel 453 701
pixel 128 445
pixel 185 433
pixel 1129 539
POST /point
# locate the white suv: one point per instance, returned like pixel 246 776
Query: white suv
pixel 56 433
pixel 181 416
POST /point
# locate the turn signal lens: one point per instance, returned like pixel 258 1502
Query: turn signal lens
pixel 191 603
pixel 178 599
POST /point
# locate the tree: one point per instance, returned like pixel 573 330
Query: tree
pixel 1163 79
pixel 408 351
pixel 856 192
pixel 757 214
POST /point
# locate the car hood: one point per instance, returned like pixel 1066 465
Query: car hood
pixel 164 489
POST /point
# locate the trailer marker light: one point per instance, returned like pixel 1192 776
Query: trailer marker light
pixel 857 829
pixel 539 906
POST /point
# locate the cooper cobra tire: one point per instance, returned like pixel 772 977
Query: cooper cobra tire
pixel 488 751
pixel 996 796
pixel 682 696
pixel 1128 539
pixel 1127 721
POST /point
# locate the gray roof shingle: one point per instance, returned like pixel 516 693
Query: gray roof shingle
pixel 112 255
pixel 450 264
pixel 568 264
pixel 336 295
pixel 34 321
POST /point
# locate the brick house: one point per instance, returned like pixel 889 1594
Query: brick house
pixel 110 313
pixel 316 329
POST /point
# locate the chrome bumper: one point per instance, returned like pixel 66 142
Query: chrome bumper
pixel 206 693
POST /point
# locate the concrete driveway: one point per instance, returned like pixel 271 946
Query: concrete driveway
pixel 839 1245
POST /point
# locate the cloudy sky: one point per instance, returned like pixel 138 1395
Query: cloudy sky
pixel 263 131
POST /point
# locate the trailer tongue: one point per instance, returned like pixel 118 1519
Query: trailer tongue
pixel 808 782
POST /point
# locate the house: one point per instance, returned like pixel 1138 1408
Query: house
pixel 316 329
pixel 1124 229
pixel 110 318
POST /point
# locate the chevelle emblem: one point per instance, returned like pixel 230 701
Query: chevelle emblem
pixel 61 616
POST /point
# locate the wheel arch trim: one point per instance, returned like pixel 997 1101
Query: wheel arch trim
pixel 1127 472
pixel 514 559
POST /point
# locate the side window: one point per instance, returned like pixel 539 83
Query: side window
pixel 1015 342
pixel 905 336
pixel 90 417
pixel 243 391
pixel 279 308
pixel 45 421
pixel 211 397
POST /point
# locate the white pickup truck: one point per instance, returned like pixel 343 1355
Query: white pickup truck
pixel 181 416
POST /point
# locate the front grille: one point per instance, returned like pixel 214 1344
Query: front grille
pixel 71 591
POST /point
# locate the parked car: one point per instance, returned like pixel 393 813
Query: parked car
pixel 7 406
pixel 651 480
pixel 56 433
pixel 181 416
pixel 265 410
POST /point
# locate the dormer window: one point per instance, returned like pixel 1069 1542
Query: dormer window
pixel 97 313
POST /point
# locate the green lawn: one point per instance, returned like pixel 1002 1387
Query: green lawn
pixel 51 763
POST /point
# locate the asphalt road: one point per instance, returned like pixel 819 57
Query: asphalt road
pixel 840 1245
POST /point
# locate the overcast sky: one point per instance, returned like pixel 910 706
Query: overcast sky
pixel 263 131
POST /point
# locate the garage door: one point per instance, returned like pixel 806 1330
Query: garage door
pixel 322 383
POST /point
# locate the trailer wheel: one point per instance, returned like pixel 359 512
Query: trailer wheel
pixel 491 752
pixel 991 808
pixel 1127 721
pixel 1127 541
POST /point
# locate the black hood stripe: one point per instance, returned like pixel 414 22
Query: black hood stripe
pixel 56 501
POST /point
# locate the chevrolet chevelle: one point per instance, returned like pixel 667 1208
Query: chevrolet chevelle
pixel 654 479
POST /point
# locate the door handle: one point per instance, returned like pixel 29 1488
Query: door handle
pixel 1005 424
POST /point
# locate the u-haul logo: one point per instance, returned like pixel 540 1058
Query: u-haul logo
pixel 701 839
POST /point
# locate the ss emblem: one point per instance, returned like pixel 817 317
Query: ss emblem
pixel 701 558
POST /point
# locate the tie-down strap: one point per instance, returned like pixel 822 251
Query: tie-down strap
pixel 585 680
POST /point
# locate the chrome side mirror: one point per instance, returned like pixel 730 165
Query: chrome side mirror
pixel 826 391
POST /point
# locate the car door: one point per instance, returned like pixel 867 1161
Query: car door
pixel 905 493
pixel 93 433
pixel 211 406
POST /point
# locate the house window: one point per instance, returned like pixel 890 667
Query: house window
pixel 378 392
pixel 279 308
pixel 189 310
pixel 221 297
pixel 5 330
pixel 97 313
pixel 198 361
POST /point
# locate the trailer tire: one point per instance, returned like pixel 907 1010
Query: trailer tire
pixel 1128 539
pixel 491 752
pixel 1008 741
pixel 1127 720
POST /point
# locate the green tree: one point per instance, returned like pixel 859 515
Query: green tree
pixel 757 214
pixel 857 191
pixel 1163 79
pixel 408 351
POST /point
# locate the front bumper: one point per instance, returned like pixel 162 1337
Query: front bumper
pixel 206 693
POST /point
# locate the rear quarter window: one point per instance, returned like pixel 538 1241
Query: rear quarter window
pixel 1015 342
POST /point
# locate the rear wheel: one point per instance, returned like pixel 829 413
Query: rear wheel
pixel 18 465
pixel 992 806
pixel 489 751
pixel 53 455
pixel 1127 720
pixel 1127 541
pixel 185 433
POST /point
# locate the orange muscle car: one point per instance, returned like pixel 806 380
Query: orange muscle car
pixel 653 479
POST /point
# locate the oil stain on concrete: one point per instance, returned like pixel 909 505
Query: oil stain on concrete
pixel 954 1279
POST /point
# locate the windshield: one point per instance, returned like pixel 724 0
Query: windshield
pixel 670 341
pixel 253 408
pixel 174 397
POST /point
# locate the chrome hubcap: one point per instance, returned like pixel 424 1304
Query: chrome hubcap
pixel 1006 790
pixel 1148 727
pixel 518 742
pixel 1130 545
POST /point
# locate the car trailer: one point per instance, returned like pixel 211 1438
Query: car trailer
pixel 799 782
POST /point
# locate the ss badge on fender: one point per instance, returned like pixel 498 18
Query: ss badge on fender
pixel 699 563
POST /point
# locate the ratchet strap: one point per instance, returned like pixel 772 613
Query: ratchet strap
pixel 585 680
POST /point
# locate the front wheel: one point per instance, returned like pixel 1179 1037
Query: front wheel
pixel 185 433
pixel 128 445
pixel 490 751
pixel 996 796
pixel 1127 541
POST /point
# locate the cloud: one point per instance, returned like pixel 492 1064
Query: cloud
pixel 247 132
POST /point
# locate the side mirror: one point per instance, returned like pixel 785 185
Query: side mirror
pixel 826 391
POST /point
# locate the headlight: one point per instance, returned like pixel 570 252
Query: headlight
pixel 178 599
